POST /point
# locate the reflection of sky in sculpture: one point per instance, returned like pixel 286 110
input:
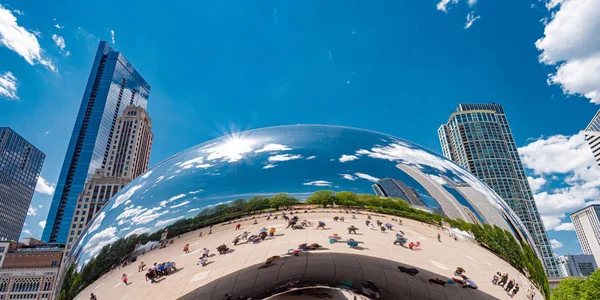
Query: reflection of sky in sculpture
pixel 294 159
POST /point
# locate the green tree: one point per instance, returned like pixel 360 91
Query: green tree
pixel 569 289
pixel 324 198
pixel 257 203
pixel 591 286
pixel 282 200
pixel 346 198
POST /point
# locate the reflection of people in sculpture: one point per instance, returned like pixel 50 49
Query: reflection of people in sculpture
pixel 352 229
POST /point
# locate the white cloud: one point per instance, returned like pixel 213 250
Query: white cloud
pixel 570 173
pixel 27 232
pixel 20 40
pixel 42 224
pixel 32 211
pixel 231 150
pixel 571 43
pixel 536 183
pixel 565 227
pixel 165 202
pixel 366 176
pixel 159 179
pixel 148 216
pixel 60 43
pixel 269 166
pixel 125 196
pixel 18 12
pixel 112 37
pixel 555 244
pixel 273 147
pixel 162 223
pixel 318 183
pixel 147 174
pixel 346 158
pixel 8 86
pixel 443 4
pixel 196 192
pixel 99 240
pixel 44 187
pixel 311 157
pixel 193 209
pixel 138 231
pixel 471 18
pixel 97 221
pixel 180 204
pixel 284 157
pixel 59 26
pixel 348 176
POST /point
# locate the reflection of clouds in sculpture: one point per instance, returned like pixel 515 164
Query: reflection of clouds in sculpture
pixel 261 163
pixel 318 183
pixel 99 240
pixel 283 157
pixel 366 176
pixel 273 147
pixel 180 204
pixel 138 231
pixel 97 221
pixel 348 176
pixel 166 222
pixel 231 150
pixel 164 203
pixel 125 196
pixel 346 158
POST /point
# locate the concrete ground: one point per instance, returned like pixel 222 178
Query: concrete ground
pixel 376 260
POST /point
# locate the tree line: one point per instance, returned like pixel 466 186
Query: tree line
pixel 500 241
pixel 576 288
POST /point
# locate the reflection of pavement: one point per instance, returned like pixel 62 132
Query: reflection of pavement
pixel 377 262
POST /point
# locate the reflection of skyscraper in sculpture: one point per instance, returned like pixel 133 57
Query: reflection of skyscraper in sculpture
pixel 592 135
pixel 478 138
pixel 394 188
pixel 129 157
pixel 112 85
pixel 450 206
pixel 472 216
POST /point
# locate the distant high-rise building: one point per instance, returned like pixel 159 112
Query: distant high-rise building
pixel 478 138
pixel 576 265
pixel 587 226
pixel 592 134
pixel 129 157
pixel 113 85
pixel 20 167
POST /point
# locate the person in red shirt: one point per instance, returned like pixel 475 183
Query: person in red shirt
pixel 237 227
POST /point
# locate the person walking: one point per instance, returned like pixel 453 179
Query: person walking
pixel 124 279
pixel 93 297
pixel 352 229
pixel 203 261
pixel 186 248
pixel 237 227
pixel 204 252
pixel 236 240
pixel 141 266
pixel 321 225
pixel 439 237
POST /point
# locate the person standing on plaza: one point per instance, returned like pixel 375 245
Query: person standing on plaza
pixel 151 274
pixel 186 248
pixel 515 291
pixel 204 252
pixel 509 286
pixel 124 279
pixel 238 226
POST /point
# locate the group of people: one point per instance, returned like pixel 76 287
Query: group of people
pixel 336 218
pixel 508 285
pixel 157 270
pixel 460 278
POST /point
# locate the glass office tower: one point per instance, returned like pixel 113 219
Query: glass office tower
pixel 113 85
pixel 20 167
pixel 478 138
pixel 592 135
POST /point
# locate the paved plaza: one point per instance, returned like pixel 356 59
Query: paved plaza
pixel 376 260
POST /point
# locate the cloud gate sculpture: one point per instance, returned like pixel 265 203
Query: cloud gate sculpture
pixel 195 200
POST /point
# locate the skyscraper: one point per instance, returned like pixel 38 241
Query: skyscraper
pixel 587 226
pixel 592 134
pixel 113 85
pixel 129 157
pixel 20 167
pixel 478 138
pixel 394 188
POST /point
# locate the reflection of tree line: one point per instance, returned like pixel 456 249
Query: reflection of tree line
pixel 578 288
pixel 494 238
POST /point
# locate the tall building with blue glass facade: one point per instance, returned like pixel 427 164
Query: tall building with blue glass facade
pixel 113 85
pixel 20 167
pixel 478 138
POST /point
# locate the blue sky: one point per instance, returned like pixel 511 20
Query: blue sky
pixel 397 67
